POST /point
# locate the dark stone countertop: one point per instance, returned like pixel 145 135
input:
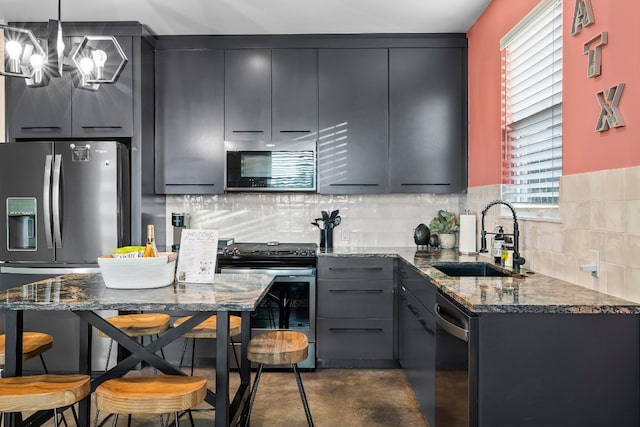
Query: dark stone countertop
pixel 527 292
pixel 229 292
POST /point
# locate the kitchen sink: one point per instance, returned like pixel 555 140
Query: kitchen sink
pixel 473 269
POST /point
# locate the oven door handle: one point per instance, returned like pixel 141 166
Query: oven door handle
pixel 453 329
pixel 274 271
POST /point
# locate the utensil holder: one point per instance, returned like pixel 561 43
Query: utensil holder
pixel 326 239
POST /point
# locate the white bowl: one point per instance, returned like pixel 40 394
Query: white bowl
pixel 138 273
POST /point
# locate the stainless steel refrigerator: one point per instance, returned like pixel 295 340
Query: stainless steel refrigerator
pixel 62 205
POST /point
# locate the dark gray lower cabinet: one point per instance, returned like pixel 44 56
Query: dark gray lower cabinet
pixel 190 121
pixel 355 311
pixel 557 370
pixel 417 348
pixel 354 122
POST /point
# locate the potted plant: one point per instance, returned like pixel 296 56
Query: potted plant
pixel 445 224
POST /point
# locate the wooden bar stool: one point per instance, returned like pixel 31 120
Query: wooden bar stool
pixel 42 392
pixel 279 348
pixel 33 344
pixel 156 394
pixel 207 329
pixel 138 325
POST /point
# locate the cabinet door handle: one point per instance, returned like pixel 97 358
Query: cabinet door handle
pixel 40 127
pixel 377 330
pixel 355 268
pixel 353 185
pixel 101 127
pixel 248 131
pixel 408 184
pixel 295 131
pixel 362 291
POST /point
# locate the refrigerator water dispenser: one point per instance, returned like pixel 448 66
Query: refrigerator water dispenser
pixel 21 224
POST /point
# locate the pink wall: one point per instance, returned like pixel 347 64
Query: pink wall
pixel 584 149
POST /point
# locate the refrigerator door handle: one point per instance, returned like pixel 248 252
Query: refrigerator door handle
pixel 55 205
pixel 46 201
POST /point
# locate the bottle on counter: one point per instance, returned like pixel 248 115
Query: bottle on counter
pixel 150 250
pixel 497 244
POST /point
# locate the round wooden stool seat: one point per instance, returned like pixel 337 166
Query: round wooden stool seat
pixel 33 344
pixel 40 392
pixel 140 325
pixel 207 329
pixel 278 347
pixel 156 394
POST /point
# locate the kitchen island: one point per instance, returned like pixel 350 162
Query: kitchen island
pixel 83 294
pixel 530 350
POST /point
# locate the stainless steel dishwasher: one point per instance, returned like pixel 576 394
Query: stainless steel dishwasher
pixel 453 331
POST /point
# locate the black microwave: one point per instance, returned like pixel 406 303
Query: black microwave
pixel 270 166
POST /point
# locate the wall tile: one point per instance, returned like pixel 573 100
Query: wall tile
pixel 599 210
pixel 614 189
pixel 631 180
pixel 385 220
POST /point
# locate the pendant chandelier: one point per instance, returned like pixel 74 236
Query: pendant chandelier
pixel 96 60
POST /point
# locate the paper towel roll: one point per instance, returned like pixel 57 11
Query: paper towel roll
pixel 467 234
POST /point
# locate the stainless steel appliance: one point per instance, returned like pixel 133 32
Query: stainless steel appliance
pixel 62 205
pixel 270 166
pixel 454 356
pixel 291 302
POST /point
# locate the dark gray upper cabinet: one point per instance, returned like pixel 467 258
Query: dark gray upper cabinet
pixel 190 121
pixel 294 89
pixel 353 120
pixel 34 112
pixel 61 110
pixel 427 110
pixel 107 112
pixel 247 98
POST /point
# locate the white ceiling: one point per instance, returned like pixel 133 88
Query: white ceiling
pixel 166 17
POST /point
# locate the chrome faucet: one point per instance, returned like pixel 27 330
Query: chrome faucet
pixel 517 259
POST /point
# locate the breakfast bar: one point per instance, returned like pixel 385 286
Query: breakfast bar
pixel 84 294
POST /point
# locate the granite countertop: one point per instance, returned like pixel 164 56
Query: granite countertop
pixel 230 292
pixel 527 292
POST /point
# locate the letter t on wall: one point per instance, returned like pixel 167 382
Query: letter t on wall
pixel 593 48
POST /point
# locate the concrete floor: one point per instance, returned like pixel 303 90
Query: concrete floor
pixel 337 397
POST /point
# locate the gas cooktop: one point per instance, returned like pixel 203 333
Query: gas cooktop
pixel 274 252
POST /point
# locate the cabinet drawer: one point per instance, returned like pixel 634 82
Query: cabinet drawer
pixel 355 298
pixel 355 339
pixel 355 268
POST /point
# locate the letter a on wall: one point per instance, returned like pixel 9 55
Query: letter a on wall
pixel 582 16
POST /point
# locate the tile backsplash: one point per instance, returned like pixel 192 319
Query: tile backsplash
pixel 367 220
pixel 598 211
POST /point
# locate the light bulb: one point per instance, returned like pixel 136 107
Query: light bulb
pixel 37 61
pixel 14 49
pixel 100 58
pixel 86 66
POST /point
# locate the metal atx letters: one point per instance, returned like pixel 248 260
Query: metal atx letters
pixel 610 116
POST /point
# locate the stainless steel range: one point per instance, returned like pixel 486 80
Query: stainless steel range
pixel 291 302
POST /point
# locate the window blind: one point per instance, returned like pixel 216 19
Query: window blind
pixel 532 108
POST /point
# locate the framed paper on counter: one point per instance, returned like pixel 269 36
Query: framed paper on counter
pixel 197 256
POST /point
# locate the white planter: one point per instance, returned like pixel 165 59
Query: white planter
pixel 447 241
